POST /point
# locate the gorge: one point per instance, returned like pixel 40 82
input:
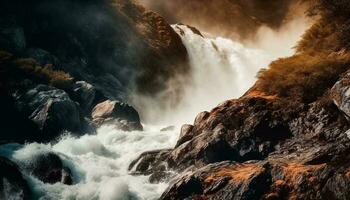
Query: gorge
pixel 106 100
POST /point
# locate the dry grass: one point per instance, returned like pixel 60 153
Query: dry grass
pixel 293 171
pixel 238 173
pixel 18 69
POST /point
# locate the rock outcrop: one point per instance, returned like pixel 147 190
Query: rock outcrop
pixel 225 180
pixel 129 48
pixel 341 94
pixel 12 183
pixel 122 115
pixel 249 149
pixel 52 111
pixel 48 168
pixel 84 93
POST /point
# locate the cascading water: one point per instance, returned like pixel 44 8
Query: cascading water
pixel 221 69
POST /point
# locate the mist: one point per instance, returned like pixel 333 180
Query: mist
pixel 223 65
pixel 232 19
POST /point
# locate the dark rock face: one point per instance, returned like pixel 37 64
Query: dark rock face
pixel 185 134
pixel 122 115
pixel 51 110
pixel 128 48
pixel 85 94
pixel 48 168
pixel 10 119
pixel 12 183
pixel 237 130
pixel 341 94
pixel 152 162
pixel 248 149
pixel 225 180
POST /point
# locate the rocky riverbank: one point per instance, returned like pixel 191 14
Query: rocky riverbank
pixel 247 149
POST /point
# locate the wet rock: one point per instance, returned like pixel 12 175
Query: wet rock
pixel 193 29
pixel 122 115
pixel 169 128
pixel 84 94
pixel 48 168
pixel 51 110
pixel 150 162
pixel 225 180
pixel 12 183
pixel 239 131
pixel 186 134
pixel 201 117
pixel 161 176
pixel 341 94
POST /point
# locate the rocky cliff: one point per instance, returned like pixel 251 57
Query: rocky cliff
pixel 115 46
pixel 286 138
pixel 59 59
pixel 248 149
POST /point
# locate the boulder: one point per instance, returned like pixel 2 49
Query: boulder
pixel 48 168
pixel 185 134
pixel 152 163
pixel 52 111
pixel 84 94
pixel 237 130
pixel 122 115
pixel 12 183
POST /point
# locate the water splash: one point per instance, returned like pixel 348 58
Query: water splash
pixel 221 69
pixel 99 164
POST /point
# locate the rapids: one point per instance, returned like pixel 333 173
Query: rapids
pixel 221 69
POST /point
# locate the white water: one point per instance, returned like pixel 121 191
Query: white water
pixel 221 69
pixel 99 164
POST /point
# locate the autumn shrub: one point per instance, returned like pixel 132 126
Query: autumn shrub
pixel 303 77
pixel 332 29
pixel 322 55
pixel 16 70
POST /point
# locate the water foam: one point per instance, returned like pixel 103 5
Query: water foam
pixel 221 69
pixel 99 164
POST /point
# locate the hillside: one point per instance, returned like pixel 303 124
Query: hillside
pixel 286 138
pixel 115 47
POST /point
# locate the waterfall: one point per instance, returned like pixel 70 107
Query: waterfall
pixel 221 69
